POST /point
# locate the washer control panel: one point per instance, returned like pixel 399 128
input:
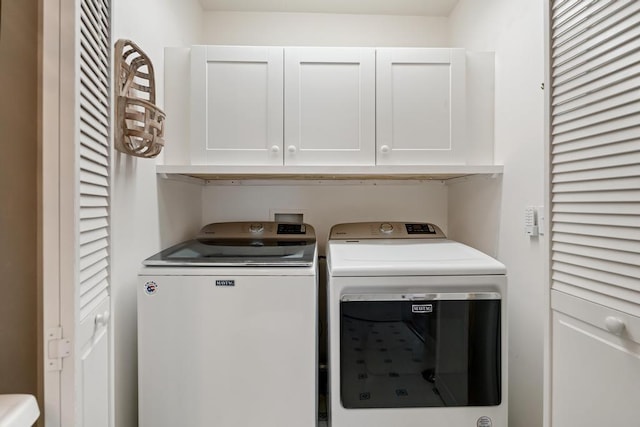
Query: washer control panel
pixel 385 230
pixel 256 230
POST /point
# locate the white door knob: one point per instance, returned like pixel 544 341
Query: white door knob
pixel 614 325
pixel 292 149
pixel 275 149
pixel 385 149
pixel 103 319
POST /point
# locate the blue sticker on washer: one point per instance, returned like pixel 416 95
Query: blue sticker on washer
pixel 150 288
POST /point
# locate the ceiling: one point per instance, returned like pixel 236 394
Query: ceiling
pixel 365 7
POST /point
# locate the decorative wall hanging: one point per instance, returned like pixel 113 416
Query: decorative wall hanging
pixel 139 122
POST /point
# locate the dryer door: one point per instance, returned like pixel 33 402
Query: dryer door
pixel 426 350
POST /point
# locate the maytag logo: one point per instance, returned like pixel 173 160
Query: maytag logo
pixel 225 282
pixel 422 308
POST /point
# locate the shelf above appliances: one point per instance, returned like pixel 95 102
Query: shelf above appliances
pixel 209 173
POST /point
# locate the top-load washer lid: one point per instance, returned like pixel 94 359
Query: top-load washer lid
pixel 395 249
pixel 260 244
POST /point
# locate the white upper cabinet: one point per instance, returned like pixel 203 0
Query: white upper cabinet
pixel 421 106
pixel 329 106
pixel 236 105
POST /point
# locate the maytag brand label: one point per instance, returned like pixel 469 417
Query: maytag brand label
pixel 225 282
pixel 422 308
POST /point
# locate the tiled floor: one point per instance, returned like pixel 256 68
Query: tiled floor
pixel 384 365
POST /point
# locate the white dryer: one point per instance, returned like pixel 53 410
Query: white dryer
pixel 417 329
pixel 227 329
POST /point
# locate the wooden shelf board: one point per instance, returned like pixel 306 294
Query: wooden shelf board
pixel 428 172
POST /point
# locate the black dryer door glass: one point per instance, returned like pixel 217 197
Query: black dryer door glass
pixel 420 353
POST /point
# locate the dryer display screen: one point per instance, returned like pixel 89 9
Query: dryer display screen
pixel 431 353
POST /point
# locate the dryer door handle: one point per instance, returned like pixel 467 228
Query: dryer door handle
pixel 454 296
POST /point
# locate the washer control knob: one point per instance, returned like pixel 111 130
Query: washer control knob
pixel 256 228
pixel 385 227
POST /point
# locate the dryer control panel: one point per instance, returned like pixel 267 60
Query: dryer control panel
pixel 385 230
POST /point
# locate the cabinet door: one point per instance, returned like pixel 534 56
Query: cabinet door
pixel 595 372
pixel 420 106
pixel 236 105
pixel 329 106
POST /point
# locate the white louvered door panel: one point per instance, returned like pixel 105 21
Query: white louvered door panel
pixel 595 151
pixel 93 367
pixel 85 152
pixel 594 336
pixel 94 124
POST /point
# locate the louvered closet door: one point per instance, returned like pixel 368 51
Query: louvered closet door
pixel 92 146
pixel 93 253
pixel 595 203
pixel 94 125
pixel 595 152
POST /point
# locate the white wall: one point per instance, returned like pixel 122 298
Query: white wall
pixel 147 214
pixel 474 210
pixel 320 29
pixel 514 30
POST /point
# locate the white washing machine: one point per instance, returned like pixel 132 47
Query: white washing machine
pixel 227 329
pixel 417 329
